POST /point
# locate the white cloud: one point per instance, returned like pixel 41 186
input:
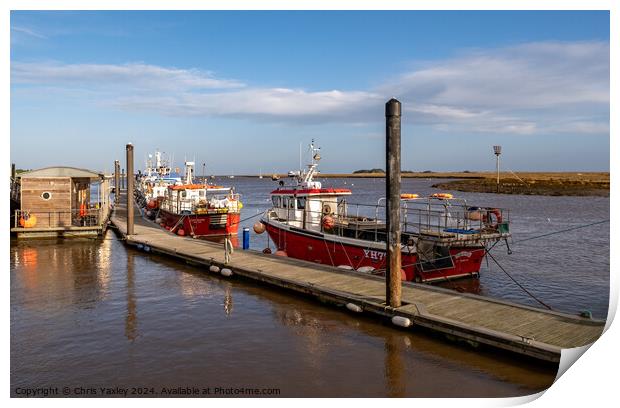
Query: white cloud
pixel 28 31
pixel 135 75
pixel 522 77
pixel 274 103
pixel 555 87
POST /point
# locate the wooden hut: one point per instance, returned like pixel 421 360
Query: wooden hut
pixel 61 201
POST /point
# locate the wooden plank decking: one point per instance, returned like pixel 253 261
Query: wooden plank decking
pixel 541 334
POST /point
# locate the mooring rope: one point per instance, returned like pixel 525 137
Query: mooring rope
pixel 561 231
pixel 518 284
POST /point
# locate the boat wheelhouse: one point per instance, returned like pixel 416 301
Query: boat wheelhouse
pixel 199 209
pixel 443 238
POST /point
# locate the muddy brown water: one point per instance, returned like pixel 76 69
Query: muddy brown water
pixel 92 313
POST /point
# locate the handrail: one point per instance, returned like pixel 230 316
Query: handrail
pixel 75 217
pixel 438 218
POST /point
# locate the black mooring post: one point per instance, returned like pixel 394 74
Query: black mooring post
pixel 392 193
pixel 129 176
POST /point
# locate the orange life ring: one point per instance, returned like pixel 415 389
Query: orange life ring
pixel 498 217
pixel 442 195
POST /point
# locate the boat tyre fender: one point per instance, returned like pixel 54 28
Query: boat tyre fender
pixel 327 209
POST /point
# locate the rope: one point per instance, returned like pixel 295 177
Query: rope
pixel 518 284
pixel 246 219
pixel 560 231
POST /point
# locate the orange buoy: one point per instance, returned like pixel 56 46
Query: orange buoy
pixel 152 204
pixel 328 222
pixel 28 221
pixel 181 232
pixel 406 196
pixel 259 227
pixel 281 253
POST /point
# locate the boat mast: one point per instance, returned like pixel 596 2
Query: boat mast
pixel 189 170
pixel 314 162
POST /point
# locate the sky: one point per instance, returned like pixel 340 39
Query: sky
pixel 240 91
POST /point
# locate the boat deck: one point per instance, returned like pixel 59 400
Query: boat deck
pixel 537 333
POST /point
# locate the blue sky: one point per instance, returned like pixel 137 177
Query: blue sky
pixel 241 90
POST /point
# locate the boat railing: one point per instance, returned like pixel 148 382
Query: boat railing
pixel 89 217
pixel 229 202
pixel 432 219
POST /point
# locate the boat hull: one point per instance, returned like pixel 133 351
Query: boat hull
pixel 201 225
pixel 313 247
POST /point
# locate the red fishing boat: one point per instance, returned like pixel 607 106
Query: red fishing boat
pixel 199 210
pixel 443 238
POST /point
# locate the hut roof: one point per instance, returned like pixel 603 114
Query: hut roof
pixel 61 171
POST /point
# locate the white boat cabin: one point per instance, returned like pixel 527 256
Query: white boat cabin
pixel 304 208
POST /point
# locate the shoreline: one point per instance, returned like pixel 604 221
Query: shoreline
pixel 583 184
pixel 557 188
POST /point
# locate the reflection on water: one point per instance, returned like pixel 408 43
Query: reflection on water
pixel 131 321
pixel 94 313
pixel 228 301
pixel 394 368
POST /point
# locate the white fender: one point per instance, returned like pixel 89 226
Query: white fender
pixel 354 308
pixel 226 272
pixel 401 321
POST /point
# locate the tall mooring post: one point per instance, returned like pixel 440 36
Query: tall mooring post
pixel 392 193
pixel 117 181
pixel 130 180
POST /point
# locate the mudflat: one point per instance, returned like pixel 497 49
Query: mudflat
pixel 533 183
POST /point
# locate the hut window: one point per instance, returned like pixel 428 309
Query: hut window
pixel 46 195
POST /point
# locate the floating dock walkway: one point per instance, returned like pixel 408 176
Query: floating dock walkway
pixel 537 333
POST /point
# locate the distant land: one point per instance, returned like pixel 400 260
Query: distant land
pixel 528 183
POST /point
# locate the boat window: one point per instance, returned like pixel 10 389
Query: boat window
pixel 183 194
pixel 284 202
pixel 276 201
pixel 301 203
pixel 201 193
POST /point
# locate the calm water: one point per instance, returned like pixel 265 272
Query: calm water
pixel 92 313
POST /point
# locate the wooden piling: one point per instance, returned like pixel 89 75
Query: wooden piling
pixel 130 188
pixel 393 284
